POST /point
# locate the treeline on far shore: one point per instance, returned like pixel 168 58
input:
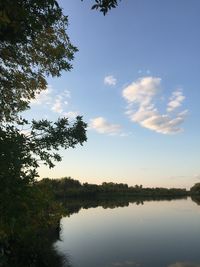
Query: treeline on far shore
pixel 70 188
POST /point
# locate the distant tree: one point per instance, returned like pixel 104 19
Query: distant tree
pixel 195 188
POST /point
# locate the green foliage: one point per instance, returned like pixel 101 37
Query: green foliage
pixel 29 218
pixel 105 5
pixel 21 153
pixel 69 188
pixel 195 189
pixel 34 43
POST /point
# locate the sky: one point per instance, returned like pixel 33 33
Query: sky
pixel 135 81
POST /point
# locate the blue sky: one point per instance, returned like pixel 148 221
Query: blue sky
pixel 135 81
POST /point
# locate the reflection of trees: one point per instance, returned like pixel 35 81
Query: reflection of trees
pixel 74 205
pixel 35 251
pixel 196 199
pixel 29 225
pixel 184 264
pixel 127 263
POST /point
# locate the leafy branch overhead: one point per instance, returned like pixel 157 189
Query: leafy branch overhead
pixel 46 137
pixel 105 5
pixel 34 44
pixel 23 151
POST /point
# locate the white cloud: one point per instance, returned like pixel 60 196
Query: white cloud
pixel 43 97
pixel 197 176
pixel 175 100
pixel 66 94
pixel 140 97
pixel 110 80
pixel 71 114
pixel 58 104
pixel 125 134
pixel 101 125
pixel 142 91
pixel 164 124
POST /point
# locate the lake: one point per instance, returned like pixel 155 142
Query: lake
pixel 139 234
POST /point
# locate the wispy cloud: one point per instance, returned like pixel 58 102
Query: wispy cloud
pixel 71 114
pixel 43 97
pixel 60 102
pixel 175 100
pixel 197 176
pixel 144 71
pixel 101 125
pixel 110 80
pixel 56 103
pixel 140 97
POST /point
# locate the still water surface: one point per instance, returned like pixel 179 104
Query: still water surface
pixel 155 234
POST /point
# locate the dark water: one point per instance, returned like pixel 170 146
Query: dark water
pixel 152 234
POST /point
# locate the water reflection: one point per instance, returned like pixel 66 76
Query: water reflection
pixel 184 264
pixel 126 264
pixel 25 239
pixel 134 264
pixel 132 232
pixel 123 232
pixel 36 251
pixel 75 205
pixel 196 199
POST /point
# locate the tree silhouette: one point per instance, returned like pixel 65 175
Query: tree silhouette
pixel 34 45
pixel 195 189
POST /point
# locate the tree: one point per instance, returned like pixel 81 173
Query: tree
pixel 25 209
pixel 105 5
pixel 21 152
pixel 195 189
pixel 34 44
